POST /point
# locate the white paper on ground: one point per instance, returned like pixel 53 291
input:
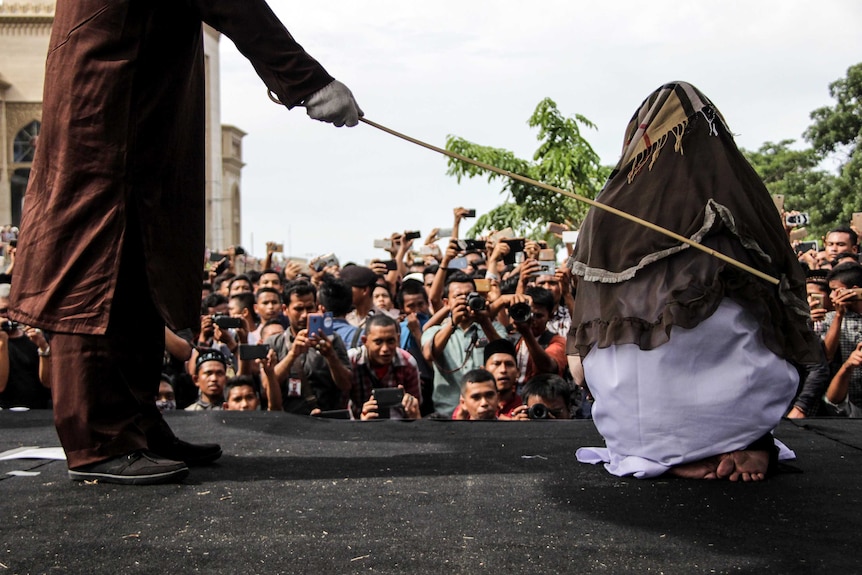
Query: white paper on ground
pixel 34 452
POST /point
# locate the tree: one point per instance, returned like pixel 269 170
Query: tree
pixel 835 136
pixel 836 133
pixel 564 159
pixel 794 174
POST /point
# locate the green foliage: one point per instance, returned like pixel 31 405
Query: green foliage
pixel 564 159
pixel 794 174
pixel 835 136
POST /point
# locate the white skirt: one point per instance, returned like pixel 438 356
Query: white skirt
pixel 708 390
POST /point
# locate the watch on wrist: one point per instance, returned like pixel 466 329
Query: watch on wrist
pixel 45 353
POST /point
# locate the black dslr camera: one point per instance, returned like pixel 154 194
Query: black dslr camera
pixel 225 321
pixel 538 411
pixel 520 312
pixel 475 301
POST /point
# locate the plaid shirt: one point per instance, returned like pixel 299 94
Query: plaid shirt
pixel 403 371
pixel 850 335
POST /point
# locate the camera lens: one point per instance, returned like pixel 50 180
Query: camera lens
pixel 537 411
pixel 475 301
pixel 520 312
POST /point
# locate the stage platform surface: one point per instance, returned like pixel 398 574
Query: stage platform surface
pixel 301 495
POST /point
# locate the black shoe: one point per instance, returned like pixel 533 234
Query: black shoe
pixel 137 468
pixel 190 453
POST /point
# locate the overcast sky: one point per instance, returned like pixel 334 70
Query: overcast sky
pixel 477 70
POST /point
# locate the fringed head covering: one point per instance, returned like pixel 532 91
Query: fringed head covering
pixel 681 170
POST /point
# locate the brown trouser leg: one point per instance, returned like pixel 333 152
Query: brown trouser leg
pixel 105 385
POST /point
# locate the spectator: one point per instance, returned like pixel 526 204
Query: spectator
pixel 240 284
pixel 819 301
pixel 240 394
pixel 382 300
pixel 539 350
pixel 560 286
pixel 25 362
pixel 837 395
pixel 479 400
pixel 210 377
pixel 455 347
pixel 312 371
pixel 844 325
pixel 166 399
pixel 336 297
pixel 268 307
pixel 362 280
pixel 841 240
pixel 501 362
pixel 413 301
pixel 270 278
pixel 379 362
pixel 550 391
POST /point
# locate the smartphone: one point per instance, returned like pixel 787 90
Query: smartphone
pixel 412 236
pixel 458 264
pixel 546 268
pixel 803 247
pixel 516 247
pixel 391 265
pixel 856 221
pixel 470 214
pixel 555 228
pixel 217 256
pixel 275 247
pixel 444 232
pixel 320 321
pixel 225 321
pixel 429 250
pixel 570 237
pixel 325 261
pixel 482 285
pixel 247 351
pixel 471 245
pixel 387 397
pixel 503 234
pixel 819 298
pixel 383 244
pixel 797 219
pixel 778 199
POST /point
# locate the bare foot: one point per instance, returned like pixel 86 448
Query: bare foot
pixel 744 465
pixel 703 469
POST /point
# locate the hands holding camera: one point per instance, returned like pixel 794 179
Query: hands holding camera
pixel 410 405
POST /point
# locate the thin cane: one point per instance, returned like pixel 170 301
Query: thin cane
pixel 580 198
pixel 572 195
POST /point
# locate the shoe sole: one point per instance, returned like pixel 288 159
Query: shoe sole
pixel 149 479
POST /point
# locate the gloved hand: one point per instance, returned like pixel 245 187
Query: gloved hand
pixel 334 103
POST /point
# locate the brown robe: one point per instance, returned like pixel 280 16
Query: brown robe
pixel 123 137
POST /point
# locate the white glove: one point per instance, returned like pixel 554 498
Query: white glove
pixel 334 103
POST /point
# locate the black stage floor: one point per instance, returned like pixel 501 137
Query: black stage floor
pixel 301 495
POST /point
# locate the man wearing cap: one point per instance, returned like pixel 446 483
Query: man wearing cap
pixel 210 378
pixel 362 280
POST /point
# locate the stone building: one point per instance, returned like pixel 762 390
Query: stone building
pixel 25 30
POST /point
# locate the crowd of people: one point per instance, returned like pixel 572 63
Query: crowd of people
pixel 476 330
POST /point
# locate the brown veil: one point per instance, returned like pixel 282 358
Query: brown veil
pixel 681 169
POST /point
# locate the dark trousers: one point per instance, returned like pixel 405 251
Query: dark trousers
pixel 105 386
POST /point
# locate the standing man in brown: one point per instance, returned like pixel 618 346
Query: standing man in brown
pixel 113 230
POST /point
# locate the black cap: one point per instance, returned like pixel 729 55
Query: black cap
pixel 210 355
pixel 501 345
pixel 358 276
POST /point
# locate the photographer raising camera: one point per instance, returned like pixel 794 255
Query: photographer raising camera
pixel 25 362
